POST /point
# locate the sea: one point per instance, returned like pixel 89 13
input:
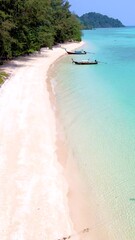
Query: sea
pixel 97 110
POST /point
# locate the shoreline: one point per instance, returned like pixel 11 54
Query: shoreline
pixel 29 152
pixel 76 188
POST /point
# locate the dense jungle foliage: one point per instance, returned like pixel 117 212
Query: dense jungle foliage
pixel 28 25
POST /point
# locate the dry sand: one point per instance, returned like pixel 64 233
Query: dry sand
pixel 33 188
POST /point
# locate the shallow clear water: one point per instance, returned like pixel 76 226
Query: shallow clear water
pixel 97 107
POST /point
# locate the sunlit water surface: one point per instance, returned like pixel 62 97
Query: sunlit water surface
pixel 97 108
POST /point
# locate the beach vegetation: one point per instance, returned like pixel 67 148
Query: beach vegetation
pixel 3 76
pixel 28 25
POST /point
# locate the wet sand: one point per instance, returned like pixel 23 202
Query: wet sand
pixel 80 212
pixel 33 183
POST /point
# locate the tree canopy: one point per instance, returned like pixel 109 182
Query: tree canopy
pixel 28 25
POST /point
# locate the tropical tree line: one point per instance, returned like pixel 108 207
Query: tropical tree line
pixel 28 25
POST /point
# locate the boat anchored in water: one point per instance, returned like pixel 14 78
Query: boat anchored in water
pixel 76 52
pixel 85 62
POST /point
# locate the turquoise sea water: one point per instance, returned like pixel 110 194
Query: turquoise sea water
pixel 97 108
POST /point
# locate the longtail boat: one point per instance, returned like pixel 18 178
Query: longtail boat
pixel 85 62
pixel 76 52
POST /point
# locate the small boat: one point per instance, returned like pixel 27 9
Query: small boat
pixel 76 52
pixel 85 62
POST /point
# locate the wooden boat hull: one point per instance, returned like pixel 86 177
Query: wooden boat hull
pixel 77 53
pixel 85 62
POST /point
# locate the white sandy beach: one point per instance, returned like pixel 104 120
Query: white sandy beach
pixel 33 188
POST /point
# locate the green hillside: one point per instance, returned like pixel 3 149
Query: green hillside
pixel 96 20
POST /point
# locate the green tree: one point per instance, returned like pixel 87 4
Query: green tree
pixel 6 40
pixel 66 25
pixel 28 25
